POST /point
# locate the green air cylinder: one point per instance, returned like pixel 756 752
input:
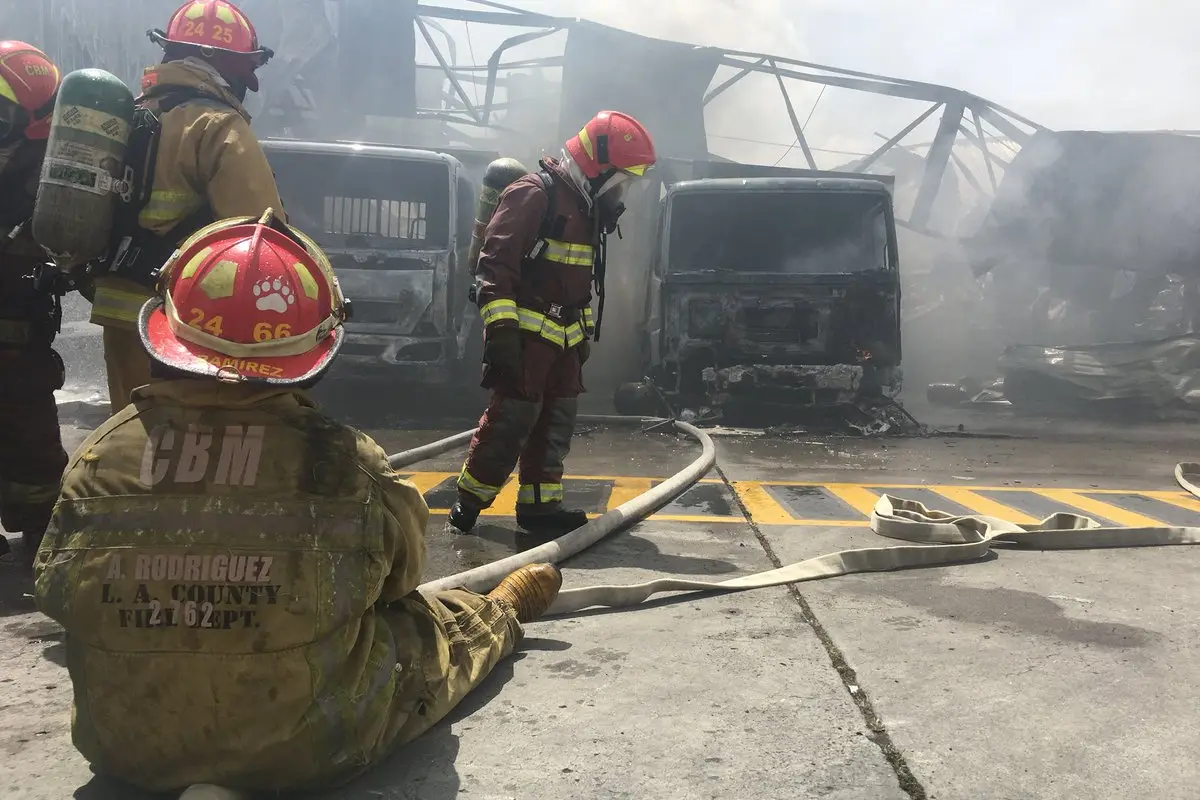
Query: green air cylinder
pixel 82 176
pixel 500 173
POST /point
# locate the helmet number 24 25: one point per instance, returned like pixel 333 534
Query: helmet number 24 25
pixel 220 33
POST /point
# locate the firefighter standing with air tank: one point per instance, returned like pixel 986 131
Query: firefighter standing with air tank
pixel 204 164
pixel 31 452
pixel 541 253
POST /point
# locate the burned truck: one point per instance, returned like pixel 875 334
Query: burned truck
pixel 396 224
pixel 772 292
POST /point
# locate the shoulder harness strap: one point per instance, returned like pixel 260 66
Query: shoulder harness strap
pixel 553 223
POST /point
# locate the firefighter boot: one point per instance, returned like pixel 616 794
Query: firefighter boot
pixel 463 516
pixel 530 590
pixel 549 519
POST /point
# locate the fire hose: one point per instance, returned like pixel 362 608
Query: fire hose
pixel 934 538
pixel 482 579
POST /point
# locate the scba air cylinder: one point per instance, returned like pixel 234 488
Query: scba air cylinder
pixel 500 173
pixel 82 176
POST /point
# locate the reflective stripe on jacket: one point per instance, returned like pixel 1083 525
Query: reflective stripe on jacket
pixel 549 296
pixel 250 565
pixel 207 153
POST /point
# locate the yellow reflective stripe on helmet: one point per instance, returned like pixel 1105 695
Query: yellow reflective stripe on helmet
pixel 586 142
pixel 168 206
pixel 540 493
pixel 638 169
pixel 6 91
pixel 564 336
pixel 471 485
pixel 118 304
pixel 498 310
pixel 580 255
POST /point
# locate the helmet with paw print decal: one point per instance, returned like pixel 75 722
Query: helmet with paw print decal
pixel 247 299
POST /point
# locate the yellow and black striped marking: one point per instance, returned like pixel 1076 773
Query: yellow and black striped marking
pixel 843 504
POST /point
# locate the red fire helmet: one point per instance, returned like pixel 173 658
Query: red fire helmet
pixel 612 140
pixel 28 87
pixel 246 299
pixel 220 28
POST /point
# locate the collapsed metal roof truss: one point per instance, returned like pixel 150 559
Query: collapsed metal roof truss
pixel 964 118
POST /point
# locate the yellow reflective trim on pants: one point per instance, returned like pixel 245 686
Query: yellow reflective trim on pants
pixel 28 494
pixel 167 206
pixel 477 488
pixel 579 255
pixel 549 493
pixel 564 336
pixel 498 310
pixel 117 304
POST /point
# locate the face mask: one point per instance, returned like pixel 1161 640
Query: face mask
pixel 609 200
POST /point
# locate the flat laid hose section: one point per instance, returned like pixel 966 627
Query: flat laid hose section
pixel 931 538
pixel 483 579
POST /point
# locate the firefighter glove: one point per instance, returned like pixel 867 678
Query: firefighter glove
pixel 502 352
pixel 585 351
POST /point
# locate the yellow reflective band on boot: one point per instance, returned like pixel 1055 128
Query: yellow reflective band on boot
pixel 116 304
pixel 28 494
pixel 578 255
pixel 540 493
pixel 477 488
pixel 498 310
pixel 562 335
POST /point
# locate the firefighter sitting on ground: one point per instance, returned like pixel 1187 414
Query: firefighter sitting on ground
pixel 31 452
pixel 209 165
pixel 542 250
pixel 246 563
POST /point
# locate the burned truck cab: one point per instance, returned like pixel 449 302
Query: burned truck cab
pixel 775 292
pixel 395 223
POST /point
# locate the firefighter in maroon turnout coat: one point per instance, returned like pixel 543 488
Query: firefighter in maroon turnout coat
pixel 542 253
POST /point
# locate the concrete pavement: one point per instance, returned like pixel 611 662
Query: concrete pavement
pixel 1030 675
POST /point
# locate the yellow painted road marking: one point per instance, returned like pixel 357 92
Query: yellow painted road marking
pixel 983 505
pixel 428 481
pixel 763 508
pixel 625 489
pixel 1180 499
pixel 1107 511
pixel 505 504
pixel 860 499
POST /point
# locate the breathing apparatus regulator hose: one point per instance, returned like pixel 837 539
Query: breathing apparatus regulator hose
pixel 485 578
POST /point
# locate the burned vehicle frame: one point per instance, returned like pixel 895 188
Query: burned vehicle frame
pixel 773 293
pixel 395 223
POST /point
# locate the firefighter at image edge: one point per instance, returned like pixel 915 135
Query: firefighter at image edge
pixel 236 572
pixel 534 285
pixel 209 166
pixel 31 452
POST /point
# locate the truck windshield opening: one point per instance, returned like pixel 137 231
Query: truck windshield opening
pixel 798 233
pixel 356 201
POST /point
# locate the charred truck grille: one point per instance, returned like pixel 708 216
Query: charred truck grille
pixel 376 312
pixel 779 324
